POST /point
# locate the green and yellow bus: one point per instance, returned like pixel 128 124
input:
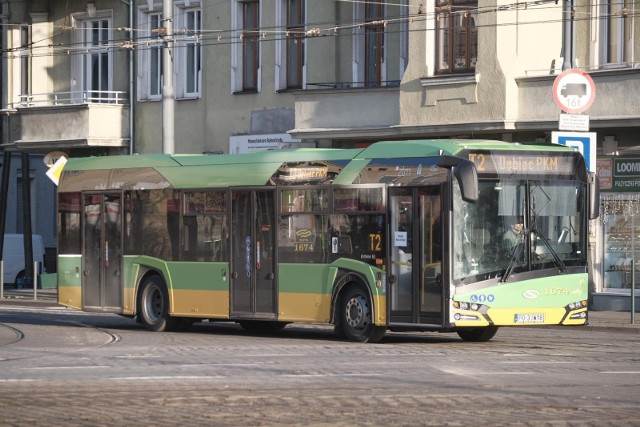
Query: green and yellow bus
pixel 427 235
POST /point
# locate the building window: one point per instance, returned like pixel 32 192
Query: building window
pixel 188 51
pixel 369 44
pixel 245 50
pixel 150 57
pixel 456 36
pixel 25 65
pixel 615 31
pixel 96 68
pixel 250 45
pixel 374 43
pixel 295 43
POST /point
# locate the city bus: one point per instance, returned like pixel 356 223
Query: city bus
pixel 461 236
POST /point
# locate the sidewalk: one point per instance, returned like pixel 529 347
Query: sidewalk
pixel 598 320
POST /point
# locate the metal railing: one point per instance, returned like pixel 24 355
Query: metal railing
pixel 352 85
pixel 71 98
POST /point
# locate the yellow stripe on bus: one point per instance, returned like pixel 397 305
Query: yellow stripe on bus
pixel 70 296
pixel 206 304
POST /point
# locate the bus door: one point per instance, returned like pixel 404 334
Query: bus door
pixel 415 292
pixel 102 252
pixel 253 265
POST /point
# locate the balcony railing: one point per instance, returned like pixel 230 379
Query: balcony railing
pixel 352 85
pixel 71 98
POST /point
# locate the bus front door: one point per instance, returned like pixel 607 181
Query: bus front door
pixel 253 267
pixel 415 293
pixel 102 252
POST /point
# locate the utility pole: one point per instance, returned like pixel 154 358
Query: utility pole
pixel 168 99
pixel 568 36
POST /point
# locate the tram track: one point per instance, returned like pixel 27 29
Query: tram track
pixel 19 335
pixel 22 334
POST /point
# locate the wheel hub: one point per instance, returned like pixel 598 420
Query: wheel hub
pixel 357 312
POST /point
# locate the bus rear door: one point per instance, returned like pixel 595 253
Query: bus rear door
pixel 253 268
pixel 102 252
pixel 416 292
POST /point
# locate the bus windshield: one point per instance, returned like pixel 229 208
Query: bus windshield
pixel 517 226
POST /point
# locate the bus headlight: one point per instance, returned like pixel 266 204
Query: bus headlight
pixel 576 305
pixel 467 306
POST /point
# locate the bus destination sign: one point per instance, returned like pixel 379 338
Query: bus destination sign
pixel 522 163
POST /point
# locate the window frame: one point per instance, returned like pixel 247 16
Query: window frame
pixel 188 72
pixel 250 44
pixel 81 63
pixel 617 55
pixel 145 55
pixel 295 43
pixel 451 38
pixel 374 39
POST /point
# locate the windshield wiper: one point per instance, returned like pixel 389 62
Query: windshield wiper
pixel 552 251
pixel 518 251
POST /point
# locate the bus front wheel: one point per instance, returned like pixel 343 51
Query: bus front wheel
pixel 154 305
pixel 478 334
pixel 356 317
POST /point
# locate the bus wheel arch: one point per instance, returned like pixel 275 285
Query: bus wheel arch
pixel 353 311
pixel 153 303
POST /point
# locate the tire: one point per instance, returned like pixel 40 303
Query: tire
pixel 262 326
pixel 19 279
pixel 356 317
pixel 154 305
pixel 477 334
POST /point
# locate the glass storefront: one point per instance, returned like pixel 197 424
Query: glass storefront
pixel 620 216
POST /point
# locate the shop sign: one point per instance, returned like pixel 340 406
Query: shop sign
pixel 619 174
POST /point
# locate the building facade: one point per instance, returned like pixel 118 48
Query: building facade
pixel 88 78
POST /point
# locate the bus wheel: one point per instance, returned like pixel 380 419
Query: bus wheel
pixel 356 317
pixel 478 334
pixel 154 305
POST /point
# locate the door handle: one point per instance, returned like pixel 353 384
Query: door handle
pixel 270 276
pixel 392 279
pixel 234 275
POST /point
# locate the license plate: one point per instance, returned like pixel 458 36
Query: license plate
pixel 529 318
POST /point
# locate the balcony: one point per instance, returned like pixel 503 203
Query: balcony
pixel 70 120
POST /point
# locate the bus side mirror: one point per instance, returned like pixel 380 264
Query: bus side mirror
pixel 594 196
pixel 466 174
pixel 467 177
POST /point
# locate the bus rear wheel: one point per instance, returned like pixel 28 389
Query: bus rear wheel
pixel 154 305
pixel 478 334
pixel 356 317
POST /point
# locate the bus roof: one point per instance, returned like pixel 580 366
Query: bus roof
pixel 195 170
pixel 451 147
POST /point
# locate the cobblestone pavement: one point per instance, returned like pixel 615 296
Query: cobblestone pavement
pixel 161 403
pixel 62 367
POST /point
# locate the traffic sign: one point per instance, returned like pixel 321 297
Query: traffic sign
pixel 55 170
pixel 574 91
pixel 584 142
pixel 575 122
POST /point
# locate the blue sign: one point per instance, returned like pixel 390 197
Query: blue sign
pixel 584 142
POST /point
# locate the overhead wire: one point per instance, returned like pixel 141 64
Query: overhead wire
pixel 212 37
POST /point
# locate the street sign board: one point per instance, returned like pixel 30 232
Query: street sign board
pixel 55 170
pixel 584 142
pixel 575 122
pixel 574 91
